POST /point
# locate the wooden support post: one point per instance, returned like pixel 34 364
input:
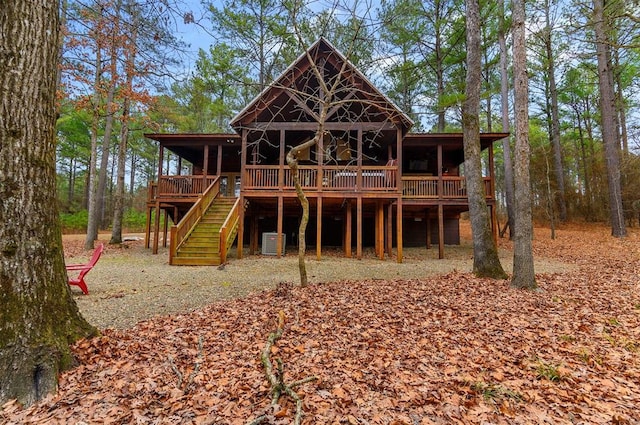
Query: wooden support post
pixel 240 228
pixel 147 228
pixel 399 159
pixel 254 235
pixel 399 229
pixel 376 225
pixel 359 228
pixel 156 228
pixel 218 161
pixel 380 229
pixel 205 168
pixel 165 227
pixel 319 228
pixel 428 222
pixel 279 247
pixel 440 232
pixel 281 161
pixel 494 224
pixel 243 162
pixel 348 231
pixel 389 229
pixel 359 164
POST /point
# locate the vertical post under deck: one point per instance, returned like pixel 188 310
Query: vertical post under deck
pixel 399 229
pixel 319 228
pixel 279 226
pixel 389 229
pixel 359 227
pixel 440 231
pixel 348 231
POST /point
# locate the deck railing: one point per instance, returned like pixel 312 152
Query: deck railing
pixel 182 186
pixel 427 187
pixel 329 178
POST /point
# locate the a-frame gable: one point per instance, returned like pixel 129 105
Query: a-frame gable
pixel 295 96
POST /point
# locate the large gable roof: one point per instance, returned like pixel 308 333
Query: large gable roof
pixel 295 96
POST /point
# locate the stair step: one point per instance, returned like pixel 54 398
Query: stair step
pixel 202 247
pixel 194 261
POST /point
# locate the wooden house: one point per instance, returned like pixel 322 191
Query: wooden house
pixel 369 181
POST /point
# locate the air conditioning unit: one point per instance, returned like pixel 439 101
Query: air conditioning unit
pixel 270 243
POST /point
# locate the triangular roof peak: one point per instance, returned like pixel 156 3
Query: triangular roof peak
pixel 297 94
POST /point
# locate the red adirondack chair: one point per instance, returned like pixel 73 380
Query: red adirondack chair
pixel 84 269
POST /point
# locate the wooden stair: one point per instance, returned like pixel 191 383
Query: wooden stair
pixel 202 246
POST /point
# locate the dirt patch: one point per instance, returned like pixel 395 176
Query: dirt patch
pixel 130 284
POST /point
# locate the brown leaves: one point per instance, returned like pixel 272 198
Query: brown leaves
pixel 451 349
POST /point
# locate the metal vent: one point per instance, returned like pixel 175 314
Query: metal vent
pixel 270 243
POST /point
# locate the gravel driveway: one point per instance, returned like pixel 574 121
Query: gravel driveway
pixel 130 284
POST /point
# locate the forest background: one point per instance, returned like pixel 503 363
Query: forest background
pixel 127 69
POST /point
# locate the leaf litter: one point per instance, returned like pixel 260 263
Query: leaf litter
pixel 437 350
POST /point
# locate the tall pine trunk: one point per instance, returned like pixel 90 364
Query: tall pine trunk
pixel 555 120
pixel 118 207
pixel 523 273
pixel 608 117
pixel 92 220
pixel 504 99
pixel 485 253
pixel 38 317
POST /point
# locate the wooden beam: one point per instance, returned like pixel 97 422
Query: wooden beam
pixel 359 228
pixel 359 161
pixel 156 228
pixel 428 222
pixel 281 160
pixel 348 231
pixel 380 229
pixel 218 161
pixel 302 105
pixel 279 227
pixel 253 235
pixel 165 227
pixel 335 108
pixel 147 228
pixel 399 139
pixel 319 228
pixel 399 229
pixel 440 182
pixel 240 228
pixel 389 229
pixel 440 231
pixel 494 224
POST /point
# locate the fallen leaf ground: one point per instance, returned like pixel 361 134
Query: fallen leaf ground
pixel 440 350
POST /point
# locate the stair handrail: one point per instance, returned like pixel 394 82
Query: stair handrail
pixel 184 227
pixel 229 223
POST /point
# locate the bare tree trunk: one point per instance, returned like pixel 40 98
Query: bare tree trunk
pixel 110 113
pixel 92 221
pixel 39 317
pixel 485 253
pixel 620 103
pixel 523 273
pixel 118 207
pixel 506 145
pixel 292 162
pixel 608 117
pixel 555 120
